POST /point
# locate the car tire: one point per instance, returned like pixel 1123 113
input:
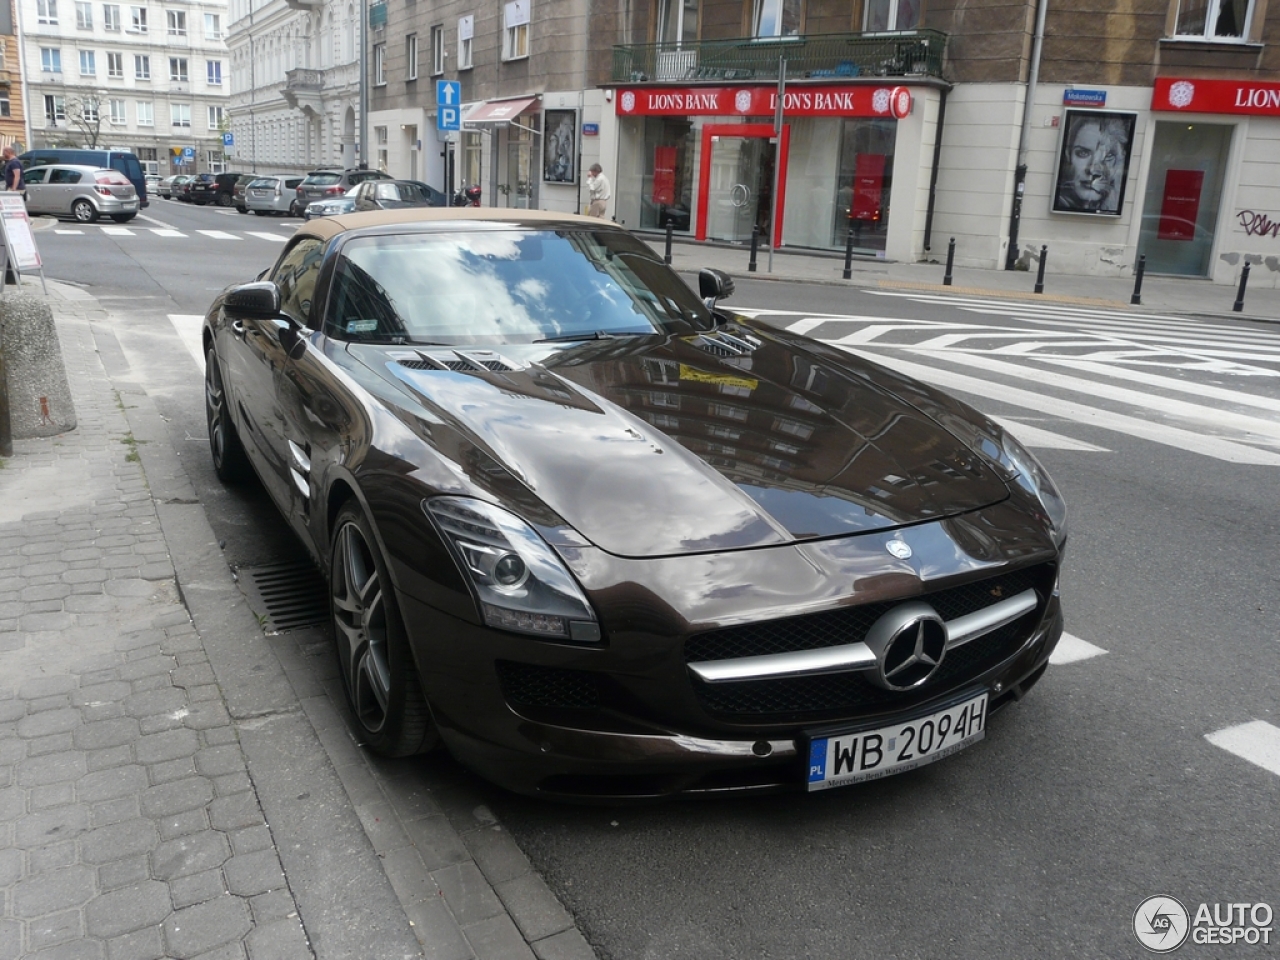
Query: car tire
pixel 388 708
pixel 261 213
pixel 84 211
pixel 242 209
pixel 294 209
pixel 223 200
pixel 123 217
pixel 230 462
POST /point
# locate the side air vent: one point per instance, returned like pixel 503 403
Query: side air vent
pixel 724 344
pixel 472 361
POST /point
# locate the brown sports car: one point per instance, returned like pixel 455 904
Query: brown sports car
pixel 601 537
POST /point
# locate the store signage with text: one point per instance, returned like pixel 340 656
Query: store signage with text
pixel 1249 97
pixel 822 101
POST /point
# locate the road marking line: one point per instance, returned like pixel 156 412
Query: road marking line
pixel 70 233
pixel 188 326
pixel 1176 437
pixel 1071 649
pixel 1256 741
pixel 117 231
pixel 267 236
pixel 218 235
pixel 1203 390
pixel 1044 439
pixel 160 223
pixel 167 233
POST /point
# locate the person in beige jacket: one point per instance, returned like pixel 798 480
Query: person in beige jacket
pixel 598 191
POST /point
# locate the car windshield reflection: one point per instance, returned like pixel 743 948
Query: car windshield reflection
pixel 495 287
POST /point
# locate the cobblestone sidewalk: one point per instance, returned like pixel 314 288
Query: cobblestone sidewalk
pixel 129 827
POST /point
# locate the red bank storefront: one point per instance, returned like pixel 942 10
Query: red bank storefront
pixel 1214 176
pixel 705 161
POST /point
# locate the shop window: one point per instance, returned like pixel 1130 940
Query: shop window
pixel 667 175
pixel 777 18
pixel 882 15
pixel 1220 20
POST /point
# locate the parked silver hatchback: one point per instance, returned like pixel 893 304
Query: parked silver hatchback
pixel 83 193
pixel 271 194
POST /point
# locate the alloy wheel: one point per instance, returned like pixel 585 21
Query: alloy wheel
pixel 360 621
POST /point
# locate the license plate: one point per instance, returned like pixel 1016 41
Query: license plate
pixel 871 754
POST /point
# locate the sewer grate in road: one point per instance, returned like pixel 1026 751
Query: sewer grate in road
pixel 288 594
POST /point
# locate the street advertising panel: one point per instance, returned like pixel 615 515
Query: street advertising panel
pixel 560 146
pixel 1093 162
pixel 17 232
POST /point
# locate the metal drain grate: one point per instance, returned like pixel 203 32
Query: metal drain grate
pixel 288 594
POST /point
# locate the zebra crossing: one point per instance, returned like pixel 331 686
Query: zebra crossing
pixel 170 233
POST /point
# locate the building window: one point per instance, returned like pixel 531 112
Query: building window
pixel 212 26
pixel 142 66
pixel 84 16
pixel 47 11
pixel 380 64
pixel 88 63
pixel 466 30
pixel 178 69
pixel 515 32
pixel 881 15
pixel 411 56
pixel 117 111
pixel 177 22
pixel 181 114
pixel 89 110
pixel 678 21
pixel 380 135
pixel 213 73
pixel 1212 19
pixel 111 17
pixel 781 18
pixel 4 105
pixel 146 114
pixel 55 109
pixel 115 66
pixel 50 60
pixel 137 19
pixel 437 51
pixel 215 117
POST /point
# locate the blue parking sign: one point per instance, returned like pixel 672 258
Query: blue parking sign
pixel 228 139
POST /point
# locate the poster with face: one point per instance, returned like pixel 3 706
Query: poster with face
pixel 559 146
pixel 1093 162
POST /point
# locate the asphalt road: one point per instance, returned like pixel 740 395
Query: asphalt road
pixel 1099 790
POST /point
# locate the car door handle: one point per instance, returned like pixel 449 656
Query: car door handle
pixel 237 328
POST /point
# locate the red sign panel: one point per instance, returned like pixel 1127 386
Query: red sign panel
pixel 664 175
pixel 1216 96
pixel 1181 204
pixel 868 184
pixel 816 101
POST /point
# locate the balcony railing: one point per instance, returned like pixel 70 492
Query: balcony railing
pixel 834 56
pixel 303 81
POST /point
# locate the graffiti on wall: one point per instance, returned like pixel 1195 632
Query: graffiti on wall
pixel 1259 224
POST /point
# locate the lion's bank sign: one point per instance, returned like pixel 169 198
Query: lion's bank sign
pixel 1216 96
pixel 816 101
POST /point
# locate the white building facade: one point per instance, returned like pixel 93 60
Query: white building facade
pixel 148 77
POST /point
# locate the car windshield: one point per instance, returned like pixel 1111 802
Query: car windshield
pixel 496 286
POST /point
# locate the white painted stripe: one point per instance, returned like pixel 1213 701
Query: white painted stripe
pixel 267 236
pixel 1071 649
pixel 1093 416
pixel 218 234
pixel 117 231
pixel 1256 741
pixel 158 223
pixel 188 326
pixel 1207 391
pixel 1142 400
pixel 70 233
pixel 168 233
pixel 1042 439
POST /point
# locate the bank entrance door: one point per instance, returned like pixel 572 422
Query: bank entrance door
pixel 735 192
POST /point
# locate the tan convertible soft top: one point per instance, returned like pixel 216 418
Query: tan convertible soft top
pixel 326 227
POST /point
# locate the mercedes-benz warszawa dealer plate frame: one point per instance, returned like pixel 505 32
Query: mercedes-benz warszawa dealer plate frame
pixel 601 537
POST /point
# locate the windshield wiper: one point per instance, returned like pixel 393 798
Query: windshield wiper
pixel 596 335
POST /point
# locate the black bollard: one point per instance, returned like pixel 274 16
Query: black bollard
pixel 755 241
pixel 1044 255
pixel 951 258
pixel 666 257
pixel 1244 281
pixel 848 255
pixel 1136 299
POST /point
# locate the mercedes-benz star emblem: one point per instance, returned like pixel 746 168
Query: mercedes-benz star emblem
pixel 909 643
pixel 899 548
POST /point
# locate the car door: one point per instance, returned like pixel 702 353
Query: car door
pixel 62 189
pixel 36 179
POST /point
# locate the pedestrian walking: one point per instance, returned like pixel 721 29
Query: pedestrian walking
pixel 13 179
pixel 598 190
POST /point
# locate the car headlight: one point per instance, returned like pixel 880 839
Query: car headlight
pixel 520 582
pixel 1029 473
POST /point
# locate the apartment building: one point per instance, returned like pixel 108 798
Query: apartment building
pixel 147 77
pixel 12 115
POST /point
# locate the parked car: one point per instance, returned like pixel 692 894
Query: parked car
pixel 215 188
pixel 165 189
pixel 83 193
pixel 327 184
pixel 196 189
pixel 598 535
pixel 237 193
pixel 119 160
pixel 152 181
pixel 272 194
pixel 177 184
pixel 333 207
pixel 395 194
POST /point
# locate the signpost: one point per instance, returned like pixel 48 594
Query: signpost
pixel 229 143
pixel 448 105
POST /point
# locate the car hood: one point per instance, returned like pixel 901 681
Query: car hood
pixel 668 445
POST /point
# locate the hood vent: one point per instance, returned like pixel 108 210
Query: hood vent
pixel 470 361
pixel 721 343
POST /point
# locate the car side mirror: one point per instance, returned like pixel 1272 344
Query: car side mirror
pixel 258 299
pixel 714 285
